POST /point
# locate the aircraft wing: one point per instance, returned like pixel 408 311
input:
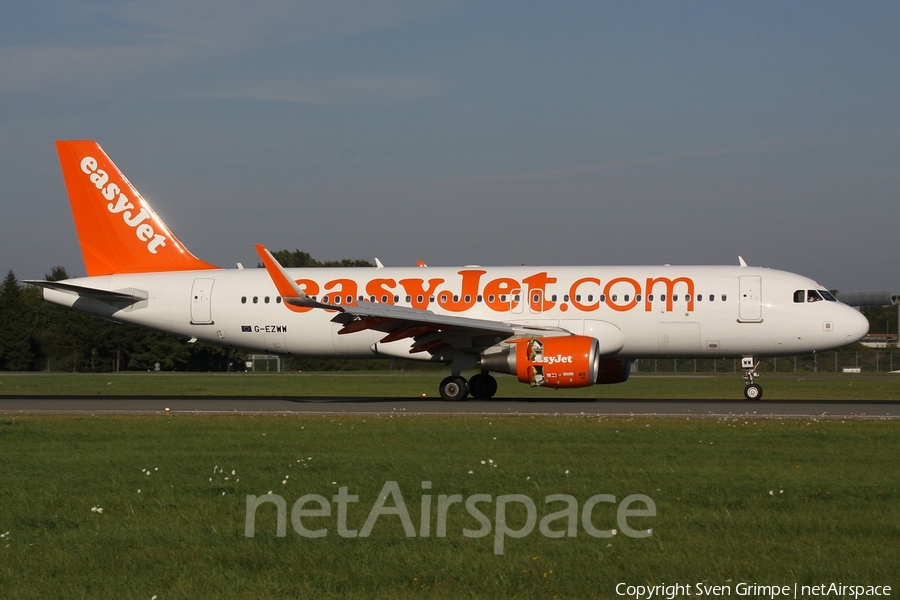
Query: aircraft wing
pixel 430 331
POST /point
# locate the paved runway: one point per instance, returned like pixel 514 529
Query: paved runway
pixel 509 406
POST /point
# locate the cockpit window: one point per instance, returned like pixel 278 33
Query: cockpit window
pixel 813 296
pixel 800 296
pixel 827 295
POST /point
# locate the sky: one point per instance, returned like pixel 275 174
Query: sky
pixel 457 133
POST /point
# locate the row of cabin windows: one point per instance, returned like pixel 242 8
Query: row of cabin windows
pixel 266 299
pixel 503 298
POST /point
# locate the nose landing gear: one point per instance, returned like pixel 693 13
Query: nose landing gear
pixel 752 391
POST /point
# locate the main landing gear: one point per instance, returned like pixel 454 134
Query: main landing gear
pixel 481 386
pixel 752 391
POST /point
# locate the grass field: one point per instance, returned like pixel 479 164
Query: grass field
pixel 766 501
pixel 412 385
pixel 144 506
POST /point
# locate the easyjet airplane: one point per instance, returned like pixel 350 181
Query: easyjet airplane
pixel 560 327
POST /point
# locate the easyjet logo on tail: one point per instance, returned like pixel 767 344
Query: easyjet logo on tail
pixel 120 204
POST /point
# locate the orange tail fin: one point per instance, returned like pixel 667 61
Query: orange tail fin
pixel 117 229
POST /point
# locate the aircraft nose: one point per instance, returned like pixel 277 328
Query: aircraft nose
pixel 857 325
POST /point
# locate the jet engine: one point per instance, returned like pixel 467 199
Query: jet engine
pixel 569 361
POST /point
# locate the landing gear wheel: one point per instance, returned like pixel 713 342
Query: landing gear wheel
pixel 482 386
pixel 753 391
pixel 454 388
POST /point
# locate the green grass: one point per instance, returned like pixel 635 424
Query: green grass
pixel 413 385
pixel 767 501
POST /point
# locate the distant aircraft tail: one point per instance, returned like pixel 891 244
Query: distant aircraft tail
pixel 117 229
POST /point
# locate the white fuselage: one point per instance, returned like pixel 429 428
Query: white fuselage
pixel 635 312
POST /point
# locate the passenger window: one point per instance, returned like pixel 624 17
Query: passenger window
pixel 266 300
pixel 278 299
pixel 674 297
pixel 243 299
pixel 255 299
pixel 724 297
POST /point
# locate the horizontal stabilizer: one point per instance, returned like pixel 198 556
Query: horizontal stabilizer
pixel 130 295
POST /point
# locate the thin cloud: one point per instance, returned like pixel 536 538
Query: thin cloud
pixel 140 39
pixel 342 90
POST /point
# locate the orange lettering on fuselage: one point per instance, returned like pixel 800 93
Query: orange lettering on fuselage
pixel 382 290
pixel 504 294
pixel 415 289
pixel 669 292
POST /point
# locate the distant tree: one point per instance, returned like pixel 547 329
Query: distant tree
pixel 298 259
pixel 57 273
pixel 16 340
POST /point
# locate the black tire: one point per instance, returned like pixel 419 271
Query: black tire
pixel 454 388
pixel 753 392
pixel 482 386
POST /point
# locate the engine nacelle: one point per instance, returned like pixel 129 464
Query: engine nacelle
pixel 569 361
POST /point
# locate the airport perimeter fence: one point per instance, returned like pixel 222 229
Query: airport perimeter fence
pixel 848 360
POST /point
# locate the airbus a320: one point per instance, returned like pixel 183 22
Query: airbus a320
pixel 559 327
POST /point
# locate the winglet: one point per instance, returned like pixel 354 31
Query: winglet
pixel 741 260
pixel 118 230
pixel 287 287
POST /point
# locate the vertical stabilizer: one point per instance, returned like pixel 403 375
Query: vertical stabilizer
pixel 117 229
